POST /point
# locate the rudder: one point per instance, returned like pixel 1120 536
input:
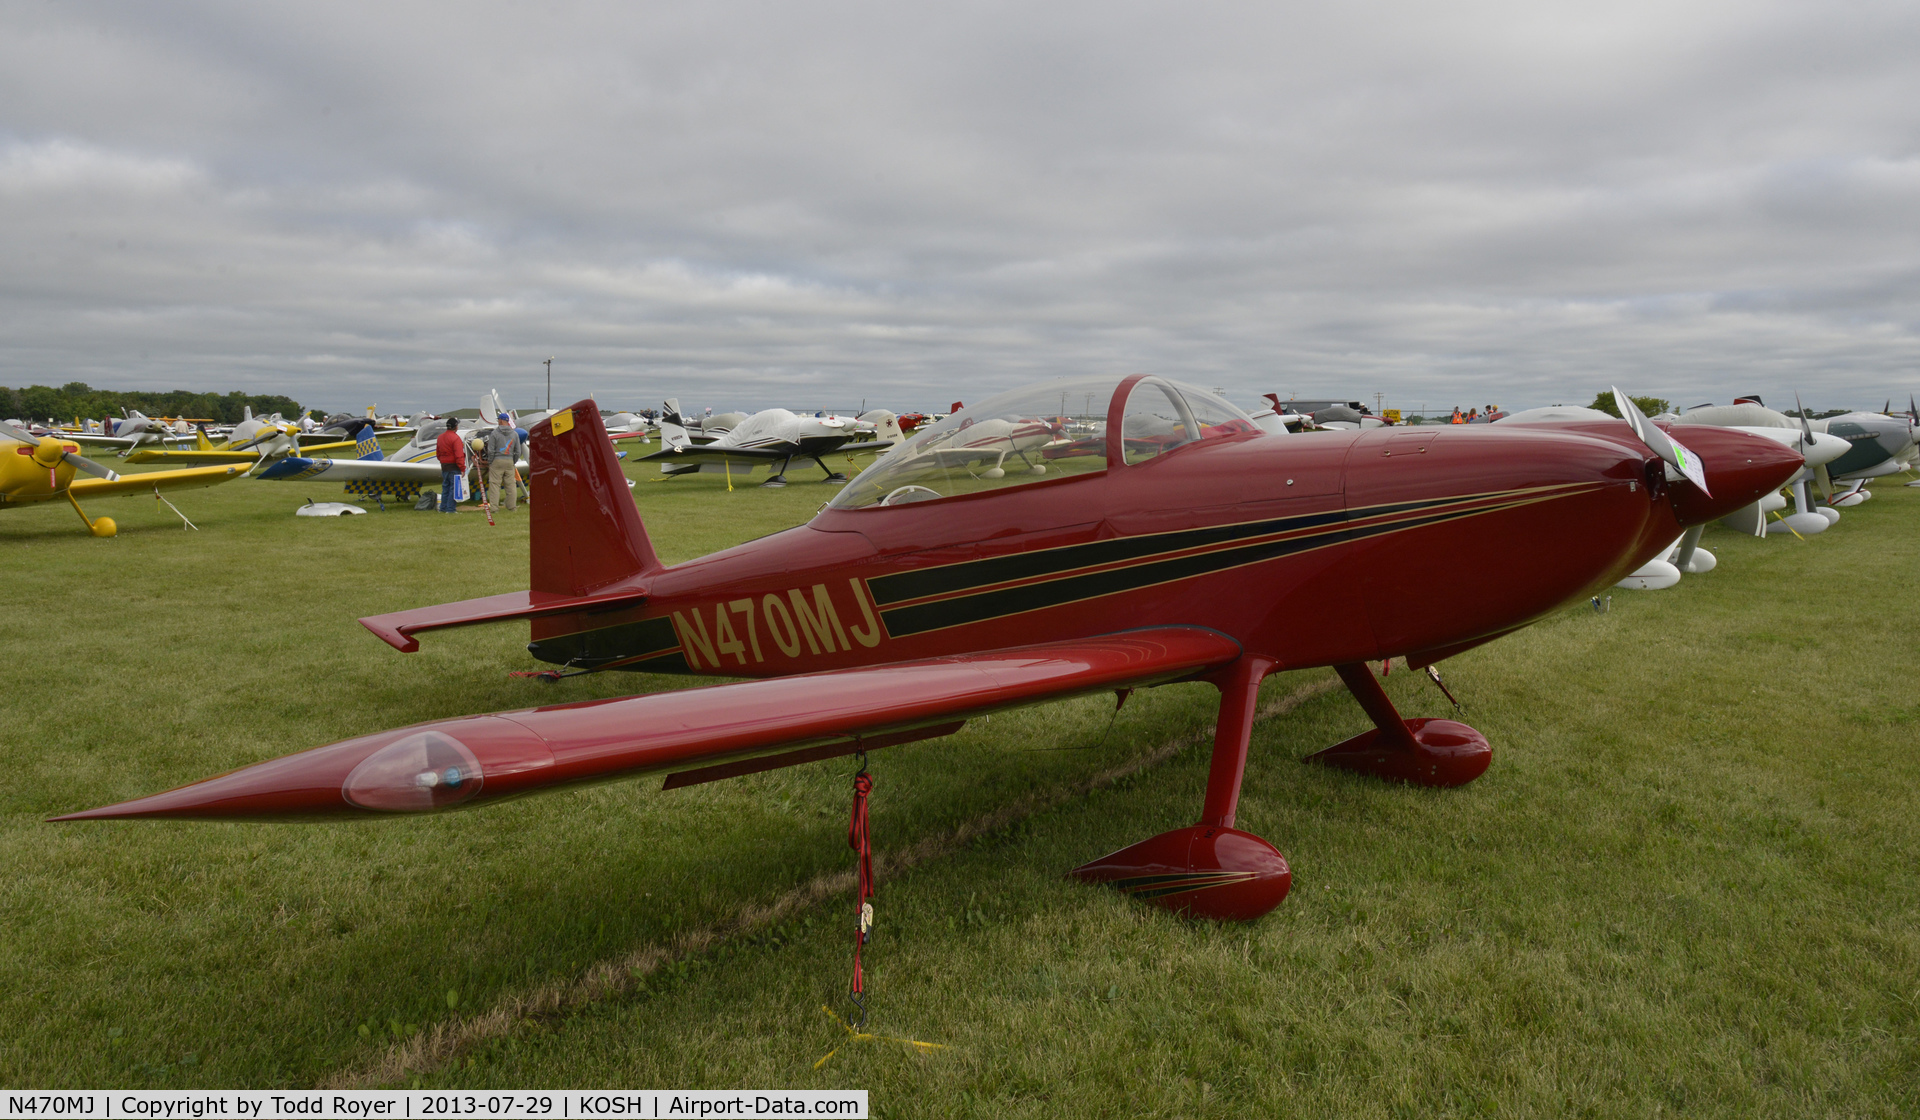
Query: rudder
pixel 365 446
pixel 585 532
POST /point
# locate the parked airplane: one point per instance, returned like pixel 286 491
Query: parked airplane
pixel 772 438
pixel 1818 449
pixel 369 475
pixel 268 440
pixel 1878 445
pixel 883 623
pixel 135 430
pixel 43 469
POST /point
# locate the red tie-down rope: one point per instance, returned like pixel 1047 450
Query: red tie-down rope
pixel 861 841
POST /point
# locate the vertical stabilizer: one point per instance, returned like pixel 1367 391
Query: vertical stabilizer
pixel 673 430
pixel 586 532
pixel 365 446
pixel 886 425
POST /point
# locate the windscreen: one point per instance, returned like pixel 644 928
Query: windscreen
pixel 1025 435
pixel 1055 430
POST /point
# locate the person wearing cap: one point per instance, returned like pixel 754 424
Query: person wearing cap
pixel 498 451
pixel 451 450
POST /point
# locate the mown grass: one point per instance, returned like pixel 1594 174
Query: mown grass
pixel 1686 886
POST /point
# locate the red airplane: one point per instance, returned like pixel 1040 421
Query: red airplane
pixel 925 595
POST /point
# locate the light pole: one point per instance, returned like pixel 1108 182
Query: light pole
pixel 549 365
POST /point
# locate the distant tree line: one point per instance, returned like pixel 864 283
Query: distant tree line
pixel 1648 406
pixel 77 398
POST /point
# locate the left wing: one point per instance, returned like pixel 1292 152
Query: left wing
pixel 149 455
pixel 691 735
pixel 295 468
pixel 154 480
pixel 97 439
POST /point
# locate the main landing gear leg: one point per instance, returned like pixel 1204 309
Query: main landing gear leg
pixel 99 526
pixel 1425 752
pixel 1211 869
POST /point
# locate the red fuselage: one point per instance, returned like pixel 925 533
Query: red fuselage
pixel 1320 549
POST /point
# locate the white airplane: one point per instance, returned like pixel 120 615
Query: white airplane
pixel 625 426
pixel 773 439
pixel 1818 448
pixel 126 434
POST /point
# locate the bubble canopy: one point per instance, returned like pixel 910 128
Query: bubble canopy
pixel 1048 431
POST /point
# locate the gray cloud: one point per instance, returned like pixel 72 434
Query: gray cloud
pixel 814 204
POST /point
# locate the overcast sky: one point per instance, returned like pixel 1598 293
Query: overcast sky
pixel 814 204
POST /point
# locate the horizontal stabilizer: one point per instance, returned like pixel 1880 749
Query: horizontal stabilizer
pixel 397 629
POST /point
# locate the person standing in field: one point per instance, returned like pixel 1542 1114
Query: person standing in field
pixel 498 451
pixel 451 450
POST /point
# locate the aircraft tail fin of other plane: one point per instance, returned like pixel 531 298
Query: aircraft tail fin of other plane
pixel 365 446
pixel 586 531
pixel 886 425
pixel 673 430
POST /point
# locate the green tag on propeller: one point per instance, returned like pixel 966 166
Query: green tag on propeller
pixel 1689 465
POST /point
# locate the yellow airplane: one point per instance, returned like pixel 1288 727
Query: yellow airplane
pixel 42 469
pixel 270 441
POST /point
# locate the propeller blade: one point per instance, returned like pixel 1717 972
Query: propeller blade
pixel 23 436
pixel 82 463
pixel 1806 426
pixel 1671 450
pixel 1825 479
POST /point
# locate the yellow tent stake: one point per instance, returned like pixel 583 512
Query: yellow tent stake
pixel 861 1036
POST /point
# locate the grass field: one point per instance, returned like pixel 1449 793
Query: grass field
pixel 1687 885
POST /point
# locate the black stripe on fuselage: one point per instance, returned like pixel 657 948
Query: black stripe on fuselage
pixel 900 587
pixel 942 613
pixel 609 646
